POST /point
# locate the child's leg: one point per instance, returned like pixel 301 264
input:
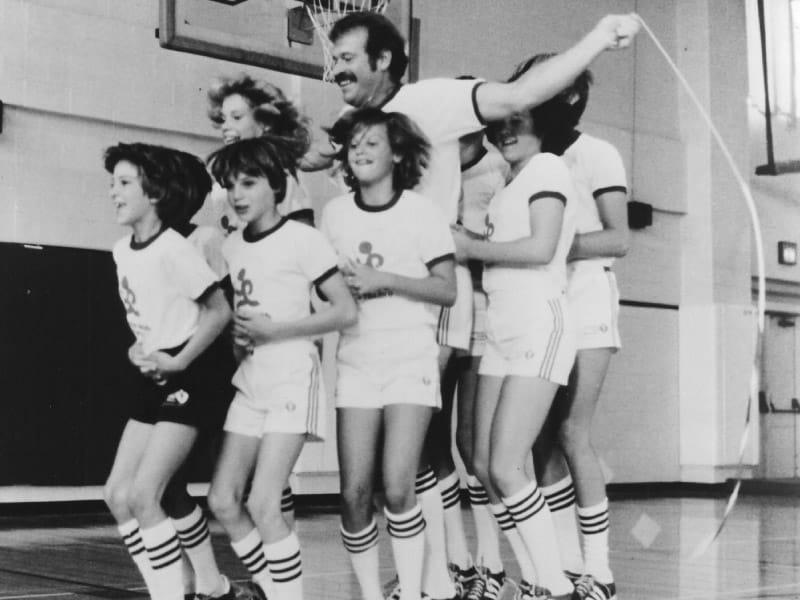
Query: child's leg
pixel 521 412
pixel 405 426
pixel 358 433
pixel 226 499
pixel 277 456
pixel 178 504
pixel 586 382
pixel 117 492
pixel 167 448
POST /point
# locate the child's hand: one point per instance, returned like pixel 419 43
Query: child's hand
pixel 462 241
pixel 363 279
pixel 251 329
pixel 136 356
pixel 161 366
pixel 618 31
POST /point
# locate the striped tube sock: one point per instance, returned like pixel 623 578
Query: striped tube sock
pixel 535 525
pixel 561 500
pixel 196 541
pixel 435 577
pixel 250 551
pixel 287 500
pixel 285 568
pixel 133 542
pixel 455 538
pixel 488 551
pixel 508 527
pixel 594 527
pixel 408 546
pixel 362 547
pixel 164 552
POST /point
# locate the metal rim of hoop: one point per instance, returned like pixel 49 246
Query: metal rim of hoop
pixel 324 13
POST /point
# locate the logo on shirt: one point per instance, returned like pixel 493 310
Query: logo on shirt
pixel 489 231
pixel 226 225
pixel 180 398
pixel 128 298
pixel 370 258
pixel 242 293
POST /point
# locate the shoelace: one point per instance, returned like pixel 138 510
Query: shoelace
pixel 476 589
pixel 493 587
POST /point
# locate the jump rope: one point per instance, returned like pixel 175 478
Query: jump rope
pixel 708 540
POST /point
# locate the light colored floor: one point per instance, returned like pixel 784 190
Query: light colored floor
pixel 652 541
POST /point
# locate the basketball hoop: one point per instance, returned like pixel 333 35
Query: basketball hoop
pixel 324 13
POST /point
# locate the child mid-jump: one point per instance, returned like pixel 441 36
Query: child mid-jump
pixel 274 262
pixel 176 310
pixel 397 254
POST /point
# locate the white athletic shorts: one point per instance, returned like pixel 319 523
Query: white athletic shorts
pixel 454 327
pixel 388 367
pixel 289 397
pixel 541 344
pixel 594 305
pixel 477 341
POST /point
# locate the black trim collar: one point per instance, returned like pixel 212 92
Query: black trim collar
pixel 250 237
pixel 468 165
pixel 365 207
pixel 142 245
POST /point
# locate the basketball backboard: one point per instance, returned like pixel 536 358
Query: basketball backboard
pixel 263 33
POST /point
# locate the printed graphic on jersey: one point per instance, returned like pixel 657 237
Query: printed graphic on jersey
pixel 243 292
pixel 129 298
pixel 226 225
pixel 372 259
pixel 180 398
pixel 489 232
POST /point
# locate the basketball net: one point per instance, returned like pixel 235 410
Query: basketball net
pixel 324 13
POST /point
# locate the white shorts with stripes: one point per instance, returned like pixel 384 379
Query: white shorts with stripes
pixel 594 305
pixel 540 343
pixel 290 399
pixel 454 327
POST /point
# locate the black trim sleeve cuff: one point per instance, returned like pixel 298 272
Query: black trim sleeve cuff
pixel 539 195
pixel 304 215
pixel 475 103
pixel 435 261
pixel 207 292
pixel 612 188
pixel 325 276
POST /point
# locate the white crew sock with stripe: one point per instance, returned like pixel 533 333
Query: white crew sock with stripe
pixel 561 500
pixel 250 551
pixel 594 527
pixel 285 568
pixel 362 547
pixel 521 553
pixel 436 577
pixel 164 552
pixel 535 525
pixel 488 551
pixel 407 531
pixel 455 538
pixel 287 505
pixel 133 542
pixel 196 541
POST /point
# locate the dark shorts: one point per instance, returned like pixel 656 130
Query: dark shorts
pixel 198 397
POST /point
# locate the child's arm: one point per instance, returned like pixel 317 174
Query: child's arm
pixel 613 239
pixel 546 215
pixel 439 287
pixel 214 316
pixel 339 314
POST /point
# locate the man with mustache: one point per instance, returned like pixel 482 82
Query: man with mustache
pixel 369 63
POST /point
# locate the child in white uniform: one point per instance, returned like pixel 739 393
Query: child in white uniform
pixel 397 252
pixel 274 262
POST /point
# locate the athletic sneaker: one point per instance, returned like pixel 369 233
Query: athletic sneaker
pixel 572 576
pixel 463 578
pixel 494 584
pixel 586 588
pixel 391 590
pixel 249 590
pixel 476 588
pixel 529 591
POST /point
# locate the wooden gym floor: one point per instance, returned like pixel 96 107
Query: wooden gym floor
pixel 79 556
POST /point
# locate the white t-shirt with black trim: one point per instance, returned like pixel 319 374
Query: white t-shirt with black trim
pixel 480 181
pixel 508 219
pixel 160 282
pixel 596 167
pixel 445 110
pixel 407 236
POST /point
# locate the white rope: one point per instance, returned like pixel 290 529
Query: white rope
pixel 324 14
pixel 761 294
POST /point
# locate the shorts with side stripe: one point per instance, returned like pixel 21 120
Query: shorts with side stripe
pixel 536 343
pixel 286 396
pixel 454 326
pixel 594 305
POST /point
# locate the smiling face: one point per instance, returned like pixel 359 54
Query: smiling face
pixel 238 120
pixel 358 80
pixel 514 137
pixel 370 155
pixel 253 200
pixel 131 203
